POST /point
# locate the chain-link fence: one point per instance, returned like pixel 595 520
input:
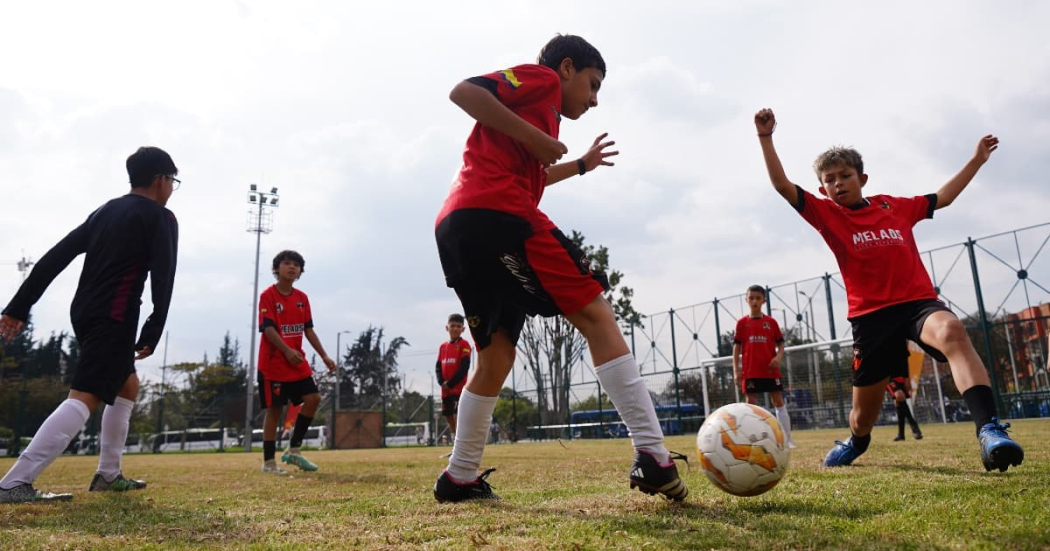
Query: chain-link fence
pixel 997 285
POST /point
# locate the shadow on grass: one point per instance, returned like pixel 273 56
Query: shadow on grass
pixel 135 516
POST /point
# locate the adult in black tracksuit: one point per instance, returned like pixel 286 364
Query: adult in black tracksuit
pixel 125 240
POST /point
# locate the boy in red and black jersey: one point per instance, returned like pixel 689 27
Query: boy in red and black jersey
pixel 758 349
pixel 899 389
pixel 891 297
pixel 507 260
pixel 453 365
pixel 123 241
pixel 284 375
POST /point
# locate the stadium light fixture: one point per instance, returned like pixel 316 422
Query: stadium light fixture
pixel 260 201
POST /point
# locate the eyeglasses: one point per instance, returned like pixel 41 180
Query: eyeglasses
pixel 175 182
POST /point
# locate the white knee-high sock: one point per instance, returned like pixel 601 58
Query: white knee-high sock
pixel 472 427
pixel 48 443
pixel 115 420
pixel 623 383
pixel 785 421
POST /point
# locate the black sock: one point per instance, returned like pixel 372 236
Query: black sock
pixel 860 442
pixel 302 423
pixel 269 449
pixel 902 415
pixel 981 402
pixel 911 419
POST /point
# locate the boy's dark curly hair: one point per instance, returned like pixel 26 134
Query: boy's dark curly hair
pixel 289 255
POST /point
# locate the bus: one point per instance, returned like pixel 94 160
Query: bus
pixel 316 437
pixel 607 424
pixel 407 434
pixel 190 440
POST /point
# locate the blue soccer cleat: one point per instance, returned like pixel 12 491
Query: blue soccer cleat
pixel 998 450
pixel 842 454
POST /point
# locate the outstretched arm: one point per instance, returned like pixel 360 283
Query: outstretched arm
pixel 765 122
pixel 45 271
pixel 950 190
pixel 485 108
pixel 591 160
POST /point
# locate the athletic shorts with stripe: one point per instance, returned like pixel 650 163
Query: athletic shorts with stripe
pixel 107 357
pixel 280 393
pixel 502 271
pixel 880 340
pixel 902 384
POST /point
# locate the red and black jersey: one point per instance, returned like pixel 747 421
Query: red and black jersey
pixel 453 365
pixel 874 247
pixel 290 316
pixel 125 240
pixel 498 173
pixel 758 338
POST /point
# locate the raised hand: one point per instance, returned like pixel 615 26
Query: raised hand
pixel 143 353
pixel 596 155
pixel 985 147
pixel 546 149
pixel 10 327
pixel 765 121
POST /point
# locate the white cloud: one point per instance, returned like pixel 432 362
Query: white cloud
pixel 344 108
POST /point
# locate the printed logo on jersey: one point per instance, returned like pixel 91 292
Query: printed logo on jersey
pixel 292 329
pixel 279 307
pixel 510 78
pixel 765 325
pixel 473 321
pixel 521 272
pixel 275 388
pixel 885 205
pixel 300 305
pixel 877 238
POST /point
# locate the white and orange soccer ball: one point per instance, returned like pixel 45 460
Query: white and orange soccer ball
pixel 742 449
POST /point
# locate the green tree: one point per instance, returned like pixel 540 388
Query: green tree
pixel 515 413
pixel 371 368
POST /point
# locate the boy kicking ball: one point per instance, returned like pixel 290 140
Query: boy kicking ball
pixel 891 298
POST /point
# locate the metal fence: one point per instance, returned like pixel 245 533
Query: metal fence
pixel 997 285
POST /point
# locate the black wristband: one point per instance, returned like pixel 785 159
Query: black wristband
pixel 581 166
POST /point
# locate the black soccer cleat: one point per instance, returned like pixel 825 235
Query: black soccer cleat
pixel 650 477
pixel 447 490
pixel 899 438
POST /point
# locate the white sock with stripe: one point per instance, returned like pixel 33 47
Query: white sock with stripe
pixel 114 434
pixel 785 421
pixel 622 381
pixel 472 428
pixel 48 443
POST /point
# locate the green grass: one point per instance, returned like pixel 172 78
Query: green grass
pixel 929 494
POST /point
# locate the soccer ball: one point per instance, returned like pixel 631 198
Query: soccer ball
pixel 742 449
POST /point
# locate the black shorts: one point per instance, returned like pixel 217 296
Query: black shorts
pixel 279 393
pixel 502 271
pixel 880 340
pixel 756 385
pixel 107 357
pixel 902 384
pixel 450 405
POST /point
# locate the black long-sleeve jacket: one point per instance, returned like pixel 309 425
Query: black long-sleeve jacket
pixel 124 240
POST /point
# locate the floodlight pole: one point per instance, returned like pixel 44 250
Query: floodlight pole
pixel 255 197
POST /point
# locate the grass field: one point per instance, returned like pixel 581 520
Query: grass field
pixel 929 494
